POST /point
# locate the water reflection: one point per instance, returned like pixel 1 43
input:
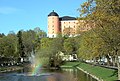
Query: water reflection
pixel 77 75
pixel 64 75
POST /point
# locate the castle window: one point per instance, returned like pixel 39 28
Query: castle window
pixel 52 35
pixel 53 26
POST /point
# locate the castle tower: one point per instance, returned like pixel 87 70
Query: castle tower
pixel 53 24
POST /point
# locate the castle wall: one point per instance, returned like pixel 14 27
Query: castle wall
pixel 69 27
pixel 66 25
pixel 85 26
pixel 53 26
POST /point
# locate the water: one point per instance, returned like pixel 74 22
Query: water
pixel 46 75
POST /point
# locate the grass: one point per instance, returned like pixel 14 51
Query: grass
pixel 103 73
pixel 100 72
pixel 70 64
pixel 7 69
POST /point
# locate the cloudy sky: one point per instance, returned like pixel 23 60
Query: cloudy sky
pixel 28 14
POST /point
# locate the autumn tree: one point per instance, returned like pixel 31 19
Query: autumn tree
pixel 69 46
pixel 105 14
pixel 90 46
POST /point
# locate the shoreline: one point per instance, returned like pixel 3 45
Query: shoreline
pixel 13 68
pixel 10 69
pixel 93 76
pixel 77 67
pixel 97 72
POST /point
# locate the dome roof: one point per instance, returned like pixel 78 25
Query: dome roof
pixel 53 14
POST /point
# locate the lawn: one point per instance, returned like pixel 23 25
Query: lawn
pixel 103 73
pixel 10 68
pixel 100 72
pixel 70 64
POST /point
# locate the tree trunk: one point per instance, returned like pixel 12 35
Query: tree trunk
pixel 118 66
pixel 108 60
pixel 118 71
pixel 113 60
pixel 94 61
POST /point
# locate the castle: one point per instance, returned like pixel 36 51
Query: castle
pixel 65 25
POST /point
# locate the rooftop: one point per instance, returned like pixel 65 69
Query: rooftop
pixel 65 18
pixel 53 14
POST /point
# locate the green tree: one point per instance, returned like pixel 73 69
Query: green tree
pixel 2 34
pixel 28 40
pixel 69 45
pixel 90 45
pixel 49 49
pixel 8 47
pixel 44 51
pixel 20 45
pixel 106 17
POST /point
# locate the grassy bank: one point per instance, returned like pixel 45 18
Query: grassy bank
pixel 100 72
pixel 13 68
pixel 8 69
pixel 70 64
pixel 103 73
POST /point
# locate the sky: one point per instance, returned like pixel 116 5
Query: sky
pixel 18 15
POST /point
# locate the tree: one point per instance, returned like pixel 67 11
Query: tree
pixel 56 46
pixel 1 47
pixel 28 40
pixel 69 45
pixel 40 33
pixel 8 48
pixel 2 34
pixel 43 51
pixel 106 17
pixel 90 46
pixel 20 45
pixel 12 38
pixel 68 32
pixel 49 49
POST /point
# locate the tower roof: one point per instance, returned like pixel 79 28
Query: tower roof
pixel 53 14
pixel 65 18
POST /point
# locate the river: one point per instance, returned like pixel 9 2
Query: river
pixel 46 75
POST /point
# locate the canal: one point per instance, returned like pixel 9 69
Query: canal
pixel 46 75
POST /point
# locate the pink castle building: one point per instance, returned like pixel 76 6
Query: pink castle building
pixel 65 25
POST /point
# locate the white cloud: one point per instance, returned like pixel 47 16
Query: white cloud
pixel 8 10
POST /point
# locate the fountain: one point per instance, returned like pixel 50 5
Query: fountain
pixel 36 66
pixel 37 75
pixel 36 70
